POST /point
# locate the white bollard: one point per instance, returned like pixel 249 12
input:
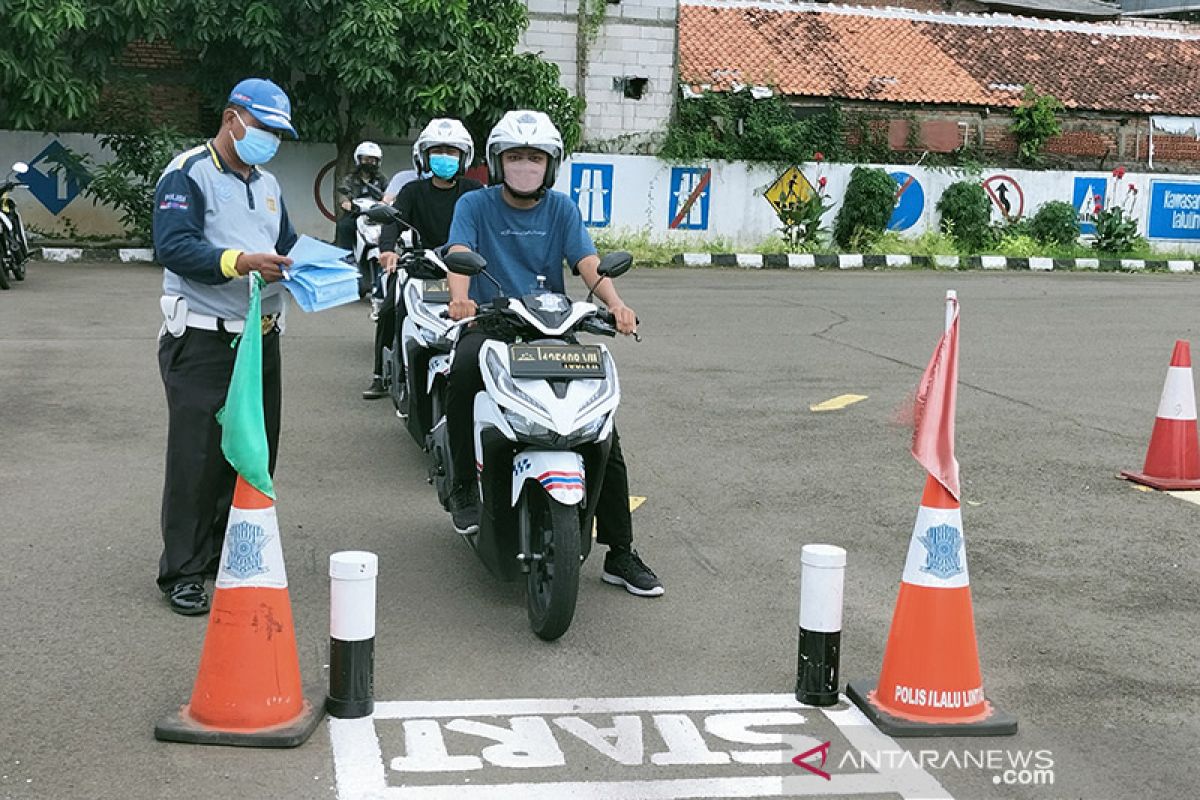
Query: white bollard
pixel 822 574
pixel 352 634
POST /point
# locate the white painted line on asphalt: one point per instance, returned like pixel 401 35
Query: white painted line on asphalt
pixel 524 739
pixel 635 502
pixel 433 709
pixel 1191 496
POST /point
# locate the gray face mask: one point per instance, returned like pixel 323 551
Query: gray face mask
pixel 524 177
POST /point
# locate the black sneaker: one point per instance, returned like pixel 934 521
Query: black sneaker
pixel 464 510
pixel 376 390
pixel 626 568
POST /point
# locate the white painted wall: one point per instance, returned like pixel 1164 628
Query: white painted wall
pixel 297 167
pixel 640 194
pixel 642 198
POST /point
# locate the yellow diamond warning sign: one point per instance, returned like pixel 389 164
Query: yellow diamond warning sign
pixel 789 189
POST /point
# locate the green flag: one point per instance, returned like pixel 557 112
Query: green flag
pixel 243 423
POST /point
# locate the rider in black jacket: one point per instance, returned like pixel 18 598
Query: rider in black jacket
pixel 364 181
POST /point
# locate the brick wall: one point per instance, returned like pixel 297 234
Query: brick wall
pixel 153 78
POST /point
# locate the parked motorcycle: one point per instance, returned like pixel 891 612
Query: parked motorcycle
pixel 14 245
pixel 543 430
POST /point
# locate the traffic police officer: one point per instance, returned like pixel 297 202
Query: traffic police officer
pixel 218 216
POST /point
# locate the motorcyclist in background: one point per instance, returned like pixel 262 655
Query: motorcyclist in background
pixel 444 150
pixel 363 181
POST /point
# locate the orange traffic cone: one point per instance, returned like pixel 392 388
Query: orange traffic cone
pixel 1173 458
pixel 248 690
pixel 930 683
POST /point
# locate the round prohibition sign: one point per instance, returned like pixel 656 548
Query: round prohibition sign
pixel 324 209
pixel 1006 194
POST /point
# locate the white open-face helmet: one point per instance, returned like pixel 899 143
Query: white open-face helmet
pixel 443 133
pixel 524 129
pixel 367 150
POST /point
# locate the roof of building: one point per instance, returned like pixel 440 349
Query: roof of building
pixel 906 56
pixel 1058 9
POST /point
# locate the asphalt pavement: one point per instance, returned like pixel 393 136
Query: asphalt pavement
pixel 1086 592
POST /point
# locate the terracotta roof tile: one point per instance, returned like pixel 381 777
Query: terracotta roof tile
pixel 904 56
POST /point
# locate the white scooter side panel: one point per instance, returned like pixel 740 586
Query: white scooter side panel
pixel 560 472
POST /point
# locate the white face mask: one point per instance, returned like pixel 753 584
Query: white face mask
pixel 524 177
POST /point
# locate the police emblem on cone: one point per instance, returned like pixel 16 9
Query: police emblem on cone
pixel 1173 457
pixel 247 691
pixel 930 684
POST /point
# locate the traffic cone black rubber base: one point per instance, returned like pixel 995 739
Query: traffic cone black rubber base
pixel 180 727
pixel 997 723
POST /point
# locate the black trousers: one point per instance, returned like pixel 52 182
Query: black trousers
pixel 345 232
pixel 391 317
pixel 198 487
pixel 614 522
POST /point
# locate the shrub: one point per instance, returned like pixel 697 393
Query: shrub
pixel 966 215
pixel 866 208
pixel 1055 223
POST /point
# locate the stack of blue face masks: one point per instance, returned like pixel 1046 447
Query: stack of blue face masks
pixel 318 277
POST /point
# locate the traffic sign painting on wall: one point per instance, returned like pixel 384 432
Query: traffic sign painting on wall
pixel 55 178
pixel 909 202
pixel 591 189
pixel 1174 210
pixel 1088 192
pixel 691 189
pixel 1006 196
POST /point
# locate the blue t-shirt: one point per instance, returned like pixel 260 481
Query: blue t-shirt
pixel 519 244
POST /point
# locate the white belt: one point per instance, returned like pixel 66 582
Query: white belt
pixel 208 323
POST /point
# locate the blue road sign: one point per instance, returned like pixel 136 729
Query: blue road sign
pixel 1174 210
pixel 910 202
pixel 591 189
pixel 53 178
pixel 687 208
pixel 1086 192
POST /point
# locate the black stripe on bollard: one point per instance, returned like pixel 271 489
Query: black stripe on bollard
pixel 817 658
pixel 351 678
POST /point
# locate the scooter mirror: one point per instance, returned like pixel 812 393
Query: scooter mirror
pixel 382 214
pixel 464 262
pixel 20 168
pixel 615 264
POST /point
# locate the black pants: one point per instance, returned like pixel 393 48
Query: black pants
pixel 345 232
pixel 198 488
pixel 391 317
pixel 614 523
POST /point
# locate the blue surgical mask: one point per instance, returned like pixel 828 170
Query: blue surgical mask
pixel 257 147
pixel 444 166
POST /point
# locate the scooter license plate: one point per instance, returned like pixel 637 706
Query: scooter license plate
pixel 556 361
pixel 436 292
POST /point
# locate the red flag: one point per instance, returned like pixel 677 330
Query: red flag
pixel 933 429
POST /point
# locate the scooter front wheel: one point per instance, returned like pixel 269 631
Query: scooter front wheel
pixel 553 581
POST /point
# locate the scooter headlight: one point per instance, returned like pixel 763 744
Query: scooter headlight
pixel 505 383
pixel 589 430
pixel 606 390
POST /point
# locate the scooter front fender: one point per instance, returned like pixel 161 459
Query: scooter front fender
pixel 560 472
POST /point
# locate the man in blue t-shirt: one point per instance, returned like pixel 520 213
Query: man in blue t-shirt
pixel 525 230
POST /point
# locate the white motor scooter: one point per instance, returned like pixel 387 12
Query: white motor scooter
pixel 543 429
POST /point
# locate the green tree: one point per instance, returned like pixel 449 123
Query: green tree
pixel 383 63
pixel 56 55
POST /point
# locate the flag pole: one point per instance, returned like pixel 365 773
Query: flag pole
pixel 951 302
